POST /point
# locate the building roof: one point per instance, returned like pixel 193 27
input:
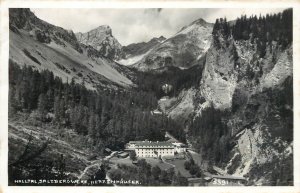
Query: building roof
pixel 153 144
pixel 156 112
pixel 207 178
pixel 172 140
pixel 134 142
pixel 178 144
pixel 123 154
pixel 229 177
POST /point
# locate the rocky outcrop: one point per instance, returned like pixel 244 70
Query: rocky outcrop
pixel 102 40
pixel 24 19
pixel 251 87
pixel 219 77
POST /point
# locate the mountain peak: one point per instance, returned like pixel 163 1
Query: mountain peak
pixel 190 43
pixel 101 39
pixel 103 29
pixel 200 21
pixel 195 25
pixel 160 39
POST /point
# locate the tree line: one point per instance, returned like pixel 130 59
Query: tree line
pixel 262 30
pixel 107 118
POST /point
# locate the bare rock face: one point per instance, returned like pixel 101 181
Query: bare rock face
pixel 255 89
pixel 102 40
pixel 183 50
pixel 24 19
pixel 219 78
pixel 282 69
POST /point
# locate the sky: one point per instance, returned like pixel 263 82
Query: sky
pixel 138 25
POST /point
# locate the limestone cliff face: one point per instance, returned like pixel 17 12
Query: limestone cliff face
pixel 258 93
pixel 102 40
pixel 219 77
pixel 238 64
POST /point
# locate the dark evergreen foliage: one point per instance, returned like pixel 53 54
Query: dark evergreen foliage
pixel 177 78
pixel 210 135
pixel 262 31
pixel 109 118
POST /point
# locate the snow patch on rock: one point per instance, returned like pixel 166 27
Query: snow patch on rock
pixel 132 60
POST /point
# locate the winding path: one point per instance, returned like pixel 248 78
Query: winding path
pixel 97 164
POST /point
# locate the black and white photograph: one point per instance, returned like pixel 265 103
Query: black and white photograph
pixel 150 97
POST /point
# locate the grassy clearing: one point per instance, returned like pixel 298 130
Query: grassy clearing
pixel 198 160
pixel 126 161
pixel 156 162
pixel 179 166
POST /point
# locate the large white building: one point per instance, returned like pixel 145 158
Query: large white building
pixel 132 145
pixel 179 147
pixel 151 148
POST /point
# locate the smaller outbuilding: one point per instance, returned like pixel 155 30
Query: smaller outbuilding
pixel 123 155
pixel 179 147
pixel 107 150
pixel 216 180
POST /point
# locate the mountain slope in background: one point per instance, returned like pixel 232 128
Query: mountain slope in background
pixel 102 40
pixel 44 46
pixel 183 50
pixel 135 52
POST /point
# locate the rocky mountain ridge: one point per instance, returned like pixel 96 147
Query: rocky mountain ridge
pixel 42 45
pixel 183 50
pixel 132 53
pixel 101 39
